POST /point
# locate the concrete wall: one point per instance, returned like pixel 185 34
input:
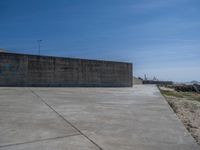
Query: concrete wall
pixel 137 80
pixel 32 70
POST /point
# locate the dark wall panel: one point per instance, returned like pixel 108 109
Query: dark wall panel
pixel 32 70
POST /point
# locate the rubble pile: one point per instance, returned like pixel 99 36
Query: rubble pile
pixel 187 88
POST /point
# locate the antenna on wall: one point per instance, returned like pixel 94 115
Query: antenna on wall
pixel 39 41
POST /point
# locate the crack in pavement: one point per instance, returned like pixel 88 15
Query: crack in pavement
pixel 41 140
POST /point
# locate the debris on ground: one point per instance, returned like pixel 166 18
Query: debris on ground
pixel 187 88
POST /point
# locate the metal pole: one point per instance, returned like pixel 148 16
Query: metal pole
pixel 39 46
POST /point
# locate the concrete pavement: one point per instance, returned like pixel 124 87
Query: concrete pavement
pixel 89 119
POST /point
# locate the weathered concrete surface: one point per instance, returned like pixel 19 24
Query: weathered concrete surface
pixel 32 70
pixel 90 118
pixel 25 118
pixel 66 143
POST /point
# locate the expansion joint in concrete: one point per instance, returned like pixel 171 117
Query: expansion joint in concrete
pixel 67 121
pixel 41 140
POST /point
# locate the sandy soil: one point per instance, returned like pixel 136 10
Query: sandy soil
pixel 187 107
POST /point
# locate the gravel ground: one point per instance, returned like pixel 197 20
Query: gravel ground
pixel 187 107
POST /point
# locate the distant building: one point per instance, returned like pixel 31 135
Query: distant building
pixel 157 82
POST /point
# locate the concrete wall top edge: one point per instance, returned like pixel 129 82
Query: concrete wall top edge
pixel 69 58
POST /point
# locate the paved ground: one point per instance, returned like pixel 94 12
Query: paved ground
pixel 135 118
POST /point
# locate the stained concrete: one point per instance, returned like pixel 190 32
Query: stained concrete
pixel 90 118
pixel 24 70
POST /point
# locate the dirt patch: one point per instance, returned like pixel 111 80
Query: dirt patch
pixel 187 107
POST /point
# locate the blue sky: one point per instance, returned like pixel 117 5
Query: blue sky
pixel 160 37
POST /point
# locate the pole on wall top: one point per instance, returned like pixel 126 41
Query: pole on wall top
pixel 39 41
